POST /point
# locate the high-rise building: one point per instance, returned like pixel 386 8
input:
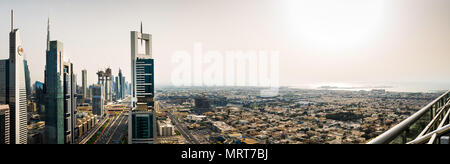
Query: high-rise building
pixel 108 85
pixel 70 92
pixel 120 85
pixel 84 83
pixel 13 89
pixel 116 87
pixel 202 105
pixel 98 100
pixel 142 123
pixel 101 78
pixel 113 88
pixel 27 79
pixel 60 92
pixel 40 97
pixel 4 124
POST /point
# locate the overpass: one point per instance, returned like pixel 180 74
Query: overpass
pixel 430 125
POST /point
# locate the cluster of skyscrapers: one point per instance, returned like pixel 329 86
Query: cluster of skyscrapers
pixel 57 96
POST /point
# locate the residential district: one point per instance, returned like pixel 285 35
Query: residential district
pixel 296 116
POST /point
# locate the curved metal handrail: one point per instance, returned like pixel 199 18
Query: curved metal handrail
pixel 395 131
pixel 428 136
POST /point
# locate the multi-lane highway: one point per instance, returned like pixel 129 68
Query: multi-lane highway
pixel 109 129
pixel 117 127
pixel 119 131
pixel 93 131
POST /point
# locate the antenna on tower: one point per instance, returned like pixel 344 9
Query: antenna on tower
pixel 48 34
pixel 142 33
pixel 12 20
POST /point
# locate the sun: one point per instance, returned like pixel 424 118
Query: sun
pixel 334 24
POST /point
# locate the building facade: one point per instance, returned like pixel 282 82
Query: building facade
pixel 4 124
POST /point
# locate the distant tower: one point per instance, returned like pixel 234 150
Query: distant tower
pixel 101 77
pixel 142 120
pixel 84 83
pixel 108 85
pixel 13 90
pixel 120 85
pixel 98 100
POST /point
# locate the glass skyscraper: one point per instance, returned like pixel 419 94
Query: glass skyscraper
pixel 84 83
pixel 60 92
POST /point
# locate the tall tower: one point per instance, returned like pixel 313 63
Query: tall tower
pixel 84 83
pixel 98 99
pixel 108 84
pixel 120 85
pixel 60 92
pixel 142 121
pixel 54 108
pixel 13 89
pixel 141 67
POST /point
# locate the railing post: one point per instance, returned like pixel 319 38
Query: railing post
pixel 431 113
pixel 404 137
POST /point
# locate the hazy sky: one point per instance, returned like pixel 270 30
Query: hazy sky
pixel 319 41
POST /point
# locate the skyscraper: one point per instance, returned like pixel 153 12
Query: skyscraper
pixel 60 91
pixel 27 79
pixel 108 85
pixel 4 124
pixel 113 88
pixel 116 87
pixel 120 85
pixel 84 83
pixel 142 122
pixel 70 102
pixel 13 89
pixel 98 99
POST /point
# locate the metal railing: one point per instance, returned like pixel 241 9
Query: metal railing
pixel 426 125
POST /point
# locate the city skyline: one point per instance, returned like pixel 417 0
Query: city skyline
pixel 219 73
pixel 408 43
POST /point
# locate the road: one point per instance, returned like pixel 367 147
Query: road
pixel 183 131
pixel 119 131
pixel 116 129
pixel 92 132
